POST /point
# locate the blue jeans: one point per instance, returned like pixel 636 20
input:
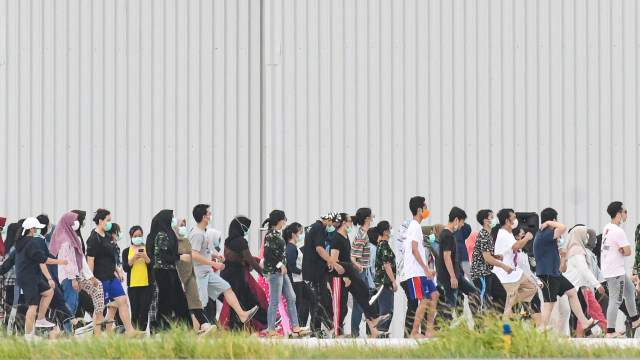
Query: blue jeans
pixel 280 285
pixel 356 312
pixel 466 287
pixel 70 295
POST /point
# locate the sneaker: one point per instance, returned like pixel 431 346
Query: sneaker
pixel 206 328
pixel 31 337
pixel 44 323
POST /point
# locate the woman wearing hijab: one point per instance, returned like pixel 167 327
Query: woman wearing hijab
pixel 171 297
pixel 238 263
pixel 188 278
pixel 75 275
pixel 579 274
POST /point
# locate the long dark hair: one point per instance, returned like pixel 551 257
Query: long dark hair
pixel 274 218
pixel 361 216
pixel 290 230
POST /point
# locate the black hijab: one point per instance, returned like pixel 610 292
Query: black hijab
pixel 236 240
pixel 160 223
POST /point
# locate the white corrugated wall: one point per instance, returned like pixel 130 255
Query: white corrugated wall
pixel 311 106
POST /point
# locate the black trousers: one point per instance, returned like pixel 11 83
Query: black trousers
pixel 494 294
pixel 172 302
pixel 234 274
pixel 322 309
pixel 305 298
pixel 338 286
pixel 200 316
pixel 140 301
pixel 358 288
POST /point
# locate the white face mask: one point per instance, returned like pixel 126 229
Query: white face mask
pixel 76 225
pixel 515 224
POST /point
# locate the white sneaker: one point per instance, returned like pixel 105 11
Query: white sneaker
pixel 44 323
pixel 206 328
pixel 31 337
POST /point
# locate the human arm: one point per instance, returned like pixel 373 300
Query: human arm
pixel 521 243
pixel 558 228
pixel 416 254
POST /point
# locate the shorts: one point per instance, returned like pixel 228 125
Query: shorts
pixel 33 292
pixel 554 286
pixel 421 288
pixel 112 290
pixel 211 286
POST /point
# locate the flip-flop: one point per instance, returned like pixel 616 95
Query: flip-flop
pixel 252 313
pixel 383 320
pixel 594 323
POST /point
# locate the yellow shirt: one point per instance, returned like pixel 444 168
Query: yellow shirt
pixel 139 275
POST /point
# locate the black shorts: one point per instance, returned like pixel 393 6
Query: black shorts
pixel 554 286
pixel 33 291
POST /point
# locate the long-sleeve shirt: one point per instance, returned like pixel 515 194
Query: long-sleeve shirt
pixel 579 274
pixel 69 271
pixel 294 263
pixel 274 252
pixel 165 252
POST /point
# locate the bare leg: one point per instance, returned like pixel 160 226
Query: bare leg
pixel 123 308
pixel 45 300
pixel 422 308
pixel 431 316
pixel 30 319
pixel 574 302
pixel 546 313
pixel 233 302
pixel 111 314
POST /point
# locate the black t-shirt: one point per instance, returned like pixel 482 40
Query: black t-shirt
pixel 447 243
pixel 313 265
pixel 343 245
pixel 102 249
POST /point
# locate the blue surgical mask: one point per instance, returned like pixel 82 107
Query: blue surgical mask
pixel 108 227
pixel 300 238
pixel 331 229
pixel 120 236
pixel 373 221
pixel 349 230
pixel 182 231
pixel 218 241
pixel 621 222
pixel 561 243
pixel 432 238
pixel 4 230
pixel 136 241
pixel 174 222
pixel 37 233
pixel 391 233
pixel 494 223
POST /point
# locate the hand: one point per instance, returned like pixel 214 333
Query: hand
pixel 347 282
pixel 120 277
pixel 507 268
pixel 544 226
pixel 64 262
pixel 563 252
pixel 621 251
pixel 95 281
pixel 218 266
pixel 183 289
pixel 601 290
pixel 528 236
pixel 283 270
pixel 634 278
pixel 454 283
pixel 395 287
pixel 499 257
pixel 339 269
pixel 52 284
pixel 430 274
pixel 330 266
pixel 75 285
pixel 221 258
pixel 185 257
pixel 359 268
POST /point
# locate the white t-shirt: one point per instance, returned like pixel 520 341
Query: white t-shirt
pixel 504 247
pixel 613 239
pixel 411 266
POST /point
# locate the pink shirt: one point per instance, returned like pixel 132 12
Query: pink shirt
pixel 69 271
pixel 613 239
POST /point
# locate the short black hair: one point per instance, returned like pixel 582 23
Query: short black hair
pixel 614 209
pixel 135 228
pixel 341 218
pixel 483 215
pixel 100 214
pixel 548 214
pixel 457 213
pixel 416 202
pixel 44 220
pixel 200 211
pixel 504 215
pixel 382 227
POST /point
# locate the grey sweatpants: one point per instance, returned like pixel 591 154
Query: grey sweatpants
pixel 620 287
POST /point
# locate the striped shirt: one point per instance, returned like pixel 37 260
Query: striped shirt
pixel 360 249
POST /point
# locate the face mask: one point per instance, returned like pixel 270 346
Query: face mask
pixel 455 227
pixel 391 233
pixel 425 214
pixel 182 231
pixel 50 230
pixel 246 229
pixel 494 223
pixel 174 222
pixel 136 241
pixel 515 224
pixel 300 238
pixel 349 230
pixel 283 227
pixel 120 236
pixel 373 221
pixel 432 238
pixel 331 229
pixel 561 243
pixel 621 222
pixel 4 230
pixel 75 226
pixel 37 233
pixel 108 227
pixel 586 241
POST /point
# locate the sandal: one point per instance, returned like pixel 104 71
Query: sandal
pixel 615 336
pixel 383 320
pixel 304 332
pixel 252 313
pixel 593 323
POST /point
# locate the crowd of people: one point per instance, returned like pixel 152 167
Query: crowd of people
pixel 53 279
